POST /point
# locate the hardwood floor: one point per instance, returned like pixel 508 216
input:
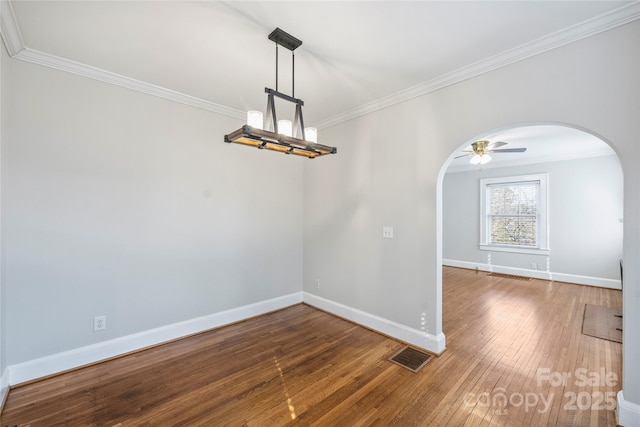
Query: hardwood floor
pixel 506 339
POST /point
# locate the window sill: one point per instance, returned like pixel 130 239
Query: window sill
pixel 515 249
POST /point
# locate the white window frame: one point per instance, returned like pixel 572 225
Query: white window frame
pixel 542 222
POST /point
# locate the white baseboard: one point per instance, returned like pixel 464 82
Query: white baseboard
pixel 66 360
pixel 627 413
pixel 4 379
pixel 4 388
pixel 537 274
pixel 429 342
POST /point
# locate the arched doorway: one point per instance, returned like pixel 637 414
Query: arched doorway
pixel 584 199
pixel 575 235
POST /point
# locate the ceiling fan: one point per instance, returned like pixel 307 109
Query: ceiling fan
pixel 479 150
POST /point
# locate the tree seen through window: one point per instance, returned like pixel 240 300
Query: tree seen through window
pixel 513 213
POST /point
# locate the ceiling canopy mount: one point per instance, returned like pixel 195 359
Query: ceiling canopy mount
pixel 284 39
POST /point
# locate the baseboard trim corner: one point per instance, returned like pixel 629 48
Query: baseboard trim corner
pixel 433 343
pixel 4 389
pixel 627 413
pixel 72 359
pixel 4 393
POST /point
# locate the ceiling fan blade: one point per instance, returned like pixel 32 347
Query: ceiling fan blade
pixel 496 144
pixel 510 150
pixel 464 155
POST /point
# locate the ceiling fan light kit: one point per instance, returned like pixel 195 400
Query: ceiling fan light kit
pixel 480 159
pixel 283 136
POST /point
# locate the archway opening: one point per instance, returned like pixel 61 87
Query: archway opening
pixel 569 230
pixel 514 328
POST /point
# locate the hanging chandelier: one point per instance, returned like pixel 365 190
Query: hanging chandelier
pixel 281 135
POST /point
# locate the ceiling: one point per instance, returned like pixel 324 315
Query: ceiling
pixel 544 143
pixel 356 56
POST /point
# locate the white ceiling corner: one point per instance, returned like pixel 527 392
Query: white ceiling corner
pixel 9 29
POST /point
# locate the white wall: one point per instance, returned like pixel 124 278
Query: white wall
pixel 3 379
pixel 390 166
pixel 375 180
pixel 121 204
pixel 585 234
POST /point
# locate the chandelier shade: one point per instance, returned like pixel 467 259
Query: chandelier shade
pixel 254 119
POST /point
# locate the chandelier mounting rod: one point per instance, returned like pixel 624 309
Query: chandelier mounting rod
pixel 286 40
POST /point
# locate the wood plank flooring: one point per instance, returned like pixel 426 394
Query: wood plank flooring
pixel 507 339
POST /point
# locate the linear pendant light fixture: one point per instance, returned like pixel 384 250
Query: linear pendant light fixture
pixel 281 135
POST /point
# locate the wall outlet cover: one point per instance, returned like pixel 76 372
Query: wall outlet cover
pixel 99 323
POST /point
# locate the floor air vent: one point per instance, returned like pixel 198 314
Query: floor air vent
pixel 509 276
pixel 411 359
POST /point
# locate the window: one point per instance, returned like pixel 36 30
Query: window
pixel 514 214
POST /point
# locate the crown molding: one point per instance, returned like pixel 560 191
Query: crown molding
pixel 12 37
pixel 14 43
pixel 63 64
pixel 9 29
pixel 607 21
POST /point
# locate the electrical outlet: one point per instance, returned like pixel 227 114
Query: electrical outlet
pixel 387 232
pixel 317 283
pixel 99 323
